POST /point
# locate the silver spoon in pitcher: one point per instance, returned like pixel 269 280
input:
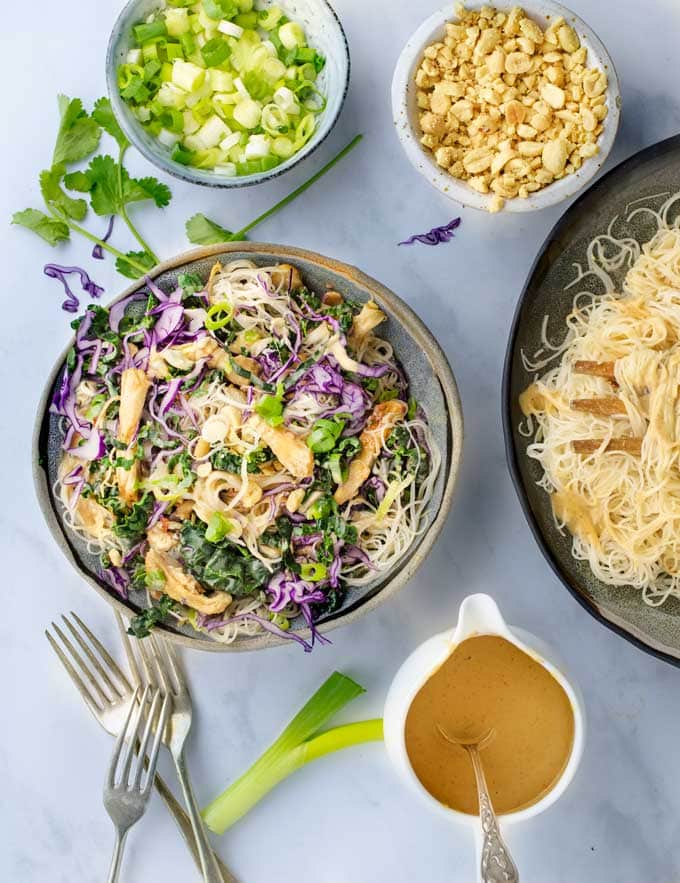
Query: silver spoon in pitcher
pixel 497 864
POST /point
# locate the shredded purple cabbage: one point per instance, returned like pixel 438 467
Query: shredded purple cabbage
pixel 287 588
pixel 98 251
pixel 378 485
pixel 266 624
pixel 71 304
pixel 118 579
pixel 435 236
pixel 171 394
pixel 76 480
pixel 156 514
pixel 117 310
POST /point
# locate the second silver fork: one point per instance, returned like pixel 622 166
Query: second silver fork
pixel 158 667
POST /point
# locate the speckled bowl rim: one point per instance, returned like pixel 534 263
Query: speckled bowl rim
pixel 401 313
pixel 616 624
pixel 459 191
pixel 183 173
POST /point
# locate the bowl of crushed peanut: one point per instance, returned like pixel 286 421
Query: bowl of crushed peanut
pixel 506 108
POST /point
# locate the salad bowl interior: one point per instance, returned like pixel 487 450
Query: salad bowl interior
pixel 431 383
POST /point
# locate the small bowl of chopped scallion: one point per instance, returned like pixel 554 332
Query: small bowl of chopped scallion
pixel 223 93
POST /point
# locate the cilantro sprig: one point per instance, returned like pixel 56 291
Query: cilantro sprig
pixel 106 182
pixel 105 187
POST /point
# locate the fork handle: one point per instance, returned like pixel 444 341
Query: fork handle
pixel 117 858
pixel 209 867
pixel 186 829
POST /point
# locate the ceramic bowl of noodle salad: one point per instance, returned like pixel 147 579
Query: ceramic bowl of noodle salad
pixel 252 446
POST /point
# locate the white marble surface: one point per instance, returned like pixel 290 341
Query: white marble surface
pixel 348 818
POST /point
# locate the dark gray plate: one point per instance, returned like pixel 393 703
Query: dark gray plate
pixel 651 173
pixel 431 381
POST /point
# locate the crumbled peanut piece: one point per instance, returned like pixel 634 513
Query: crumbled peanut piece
pixel 553 95
pixel 587 150
pixel 531 30
pixel 445 156
pixel 530 148
pixel 477 160
pixel 566 37
pixel 440 103
pixel 517 63
pixel 515 113
pixel 555 155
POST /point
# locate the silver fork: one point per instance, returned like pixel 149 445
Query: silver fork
pixel 160 669
pixel 126 796
pixel 107 697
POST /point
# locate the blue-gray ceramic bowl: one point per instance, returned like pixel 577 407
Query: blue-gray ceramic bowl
pixel 324 33
pixel 431 382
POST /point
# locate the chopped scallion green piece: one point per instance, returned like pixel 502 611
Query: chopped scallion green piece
pixel 154 30
pixel 313 571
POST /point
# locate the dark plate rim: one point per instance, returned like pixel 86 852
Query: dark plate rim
pixel 400 312
pixel 511 454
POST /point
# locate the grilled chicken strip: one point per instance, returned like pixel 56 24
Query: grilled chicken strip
pixel 288 448
pixel 134 385
pixel 364 322
pixel 380 424
pixel 179 584
pixel 182 587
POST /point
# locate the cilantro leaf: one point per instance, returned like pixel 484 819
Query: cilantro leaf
pixel 78 134
pixel 50 187
pixel 102 174
pixel 139 257
pixel 203 231
pixel 50 229
pixel 79 181
pixel 103 114
pixel 139 189
pixel 190 283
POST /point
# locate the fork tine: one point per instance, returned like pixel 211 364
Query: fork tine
pixel 133 736
pixel 166 708
pixel 166 649
pixel 103 652
pixel 161 666
pixel 115 757
pixel 90 701
pixel 143 741
pixel 147 663
pixel 98 667
pixel 91 679
pixel 127 643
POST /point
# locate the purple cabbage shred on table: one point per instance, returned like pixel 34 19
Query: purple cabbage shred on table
pixel 71 304
pixel 98 251
pixel 435 236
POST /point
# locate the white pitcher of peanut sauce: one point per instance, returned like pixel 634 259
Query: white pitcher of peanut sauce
pixel 479 616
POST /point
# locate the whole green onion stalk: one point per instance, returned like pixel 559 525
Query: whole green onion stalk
pixel 299 744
